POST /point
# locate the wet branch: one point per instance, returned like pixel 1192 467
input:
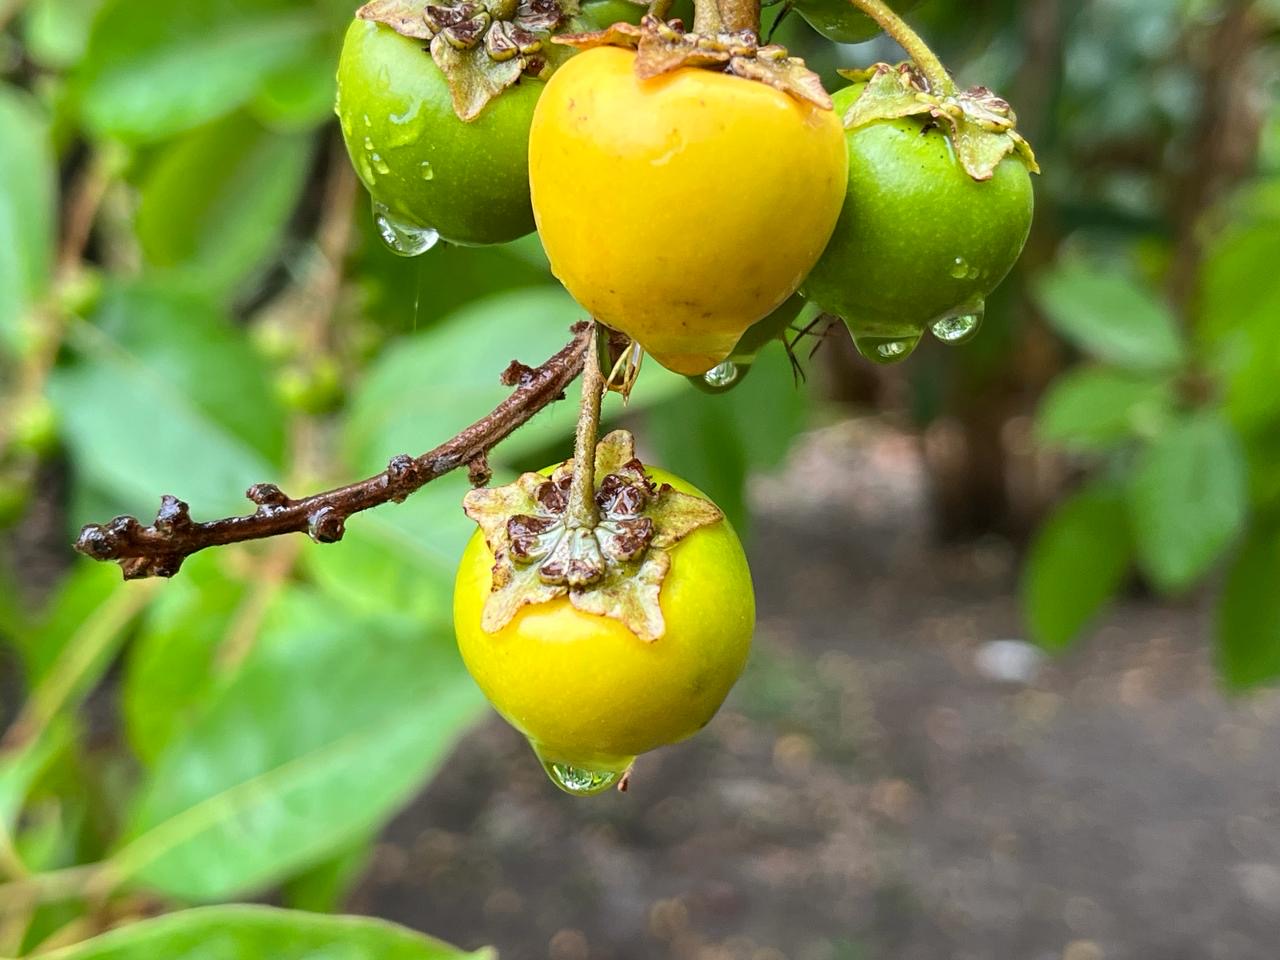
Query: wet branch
pixel 158 550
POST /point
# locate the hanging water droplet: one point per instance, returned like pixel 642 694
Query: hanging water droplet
pixel 427 172
pixel 722 376
pixel 368 144
pixel 887 349
pixel 960 327
pixel 580 780
pixel 379 164
pixel 401 238
pixel 960 268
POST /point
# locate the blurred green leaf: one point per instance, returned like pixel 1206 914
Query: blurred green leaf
pixel 21 768
pixel 1091 408
pixel 170 666
pixel 714 442
pixel 27 211
pixel 57 31
pixel 1187 500
pixel 1076 565
pixel 427 387
pixel 1107 314
pixel 84 589
pixel 400 557
pixel 332 722
pixel 262 933
pixel 1249 612
pixel 229 226
pixel 1240 301
pixel 300 94
pixel 324 887
pixel 153 69
pixel 167 396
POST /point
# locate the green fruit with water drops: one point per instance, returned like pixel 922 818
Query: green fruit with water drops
pixel 600 14
pixel 919 244
pixel 431 175
pixel 840 21
pixel 725 376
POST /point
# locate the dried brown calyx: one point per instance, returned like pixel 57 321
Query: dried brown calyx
pixel 663 46
pixel 481 47
pixel 614 569
pixel 982 125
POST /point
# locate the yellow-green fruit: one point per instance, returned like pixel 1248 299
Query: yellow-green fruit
pixel 588 693
pixel 684 208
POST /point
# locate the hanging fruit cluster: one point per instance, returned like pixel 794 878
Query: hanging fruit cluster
pixel 693 191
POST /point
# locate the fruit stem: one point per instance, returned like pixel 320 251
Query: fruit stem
pixel 706 17
pixel 926 60
pixel 581 512
pixel 737 16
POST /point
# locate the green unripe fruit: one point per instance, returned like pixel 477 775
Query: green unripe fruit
pixel 919 244
pixel 431 175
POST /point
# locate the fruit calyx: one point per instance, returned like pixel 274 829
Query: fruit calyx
pixel 615 568
pixel 481 46
pixel 664 45
pixel 981 125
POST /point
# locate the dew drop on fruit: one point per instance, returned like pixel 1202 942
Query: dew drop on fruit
pixel 379 164
pixel 959 268
pixel 722 376
pixel 427 172
pixel 580 781
pixel 960 327
pixel 887 349
pixel 403 239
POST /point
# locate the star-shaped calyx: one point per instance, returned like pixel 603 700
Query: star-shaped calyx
pixel 481 46
pixel 614 569
pixel 662 46
pixel 981 124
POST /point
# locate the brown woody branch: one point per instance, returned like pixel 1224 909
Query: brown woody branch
pixel 159 549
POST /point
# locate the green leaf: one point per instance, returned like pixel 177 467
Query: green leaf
pixel 1077 564
pixel 153 69
pixel 1105 313
pixel 27 209
pixel 262 933
pixel 331 724
pixel 715 441
pixel 325 886
pixel 21 768
pixel 229 228
pixel 57 31
pixel 1092 408
pixel 1249 612
pixel 429 386
pixel 399 557
pixel 171 664
pixel 82 592
pixel 1187 500
pixel 168 397
pixel 1237 330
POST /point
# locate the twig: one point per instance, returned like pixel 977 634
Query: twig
pixel 158 550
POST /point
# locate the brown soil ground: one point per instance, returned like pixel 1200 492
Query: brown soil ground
pixel 868 792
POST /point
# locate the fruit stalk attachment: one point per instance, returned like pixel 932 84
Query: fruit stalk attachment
pixel 926 61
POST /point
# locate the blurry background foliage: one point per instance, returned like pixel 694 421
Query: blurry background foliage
pixel 192 299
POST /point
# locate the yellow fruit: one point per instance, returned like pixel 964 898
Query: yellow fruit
pixel 681 209
pixel 588 693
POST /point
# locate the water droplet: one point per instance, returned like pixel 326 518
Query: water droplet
pixel 368 122
pixel 368 144
pixel 722 376
pixel 379 164
pixel 401 238
pixel 960 268
pixel 427 172
pixel 959 327
pixel 887 349
pixel 399 119
pixel 580 780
